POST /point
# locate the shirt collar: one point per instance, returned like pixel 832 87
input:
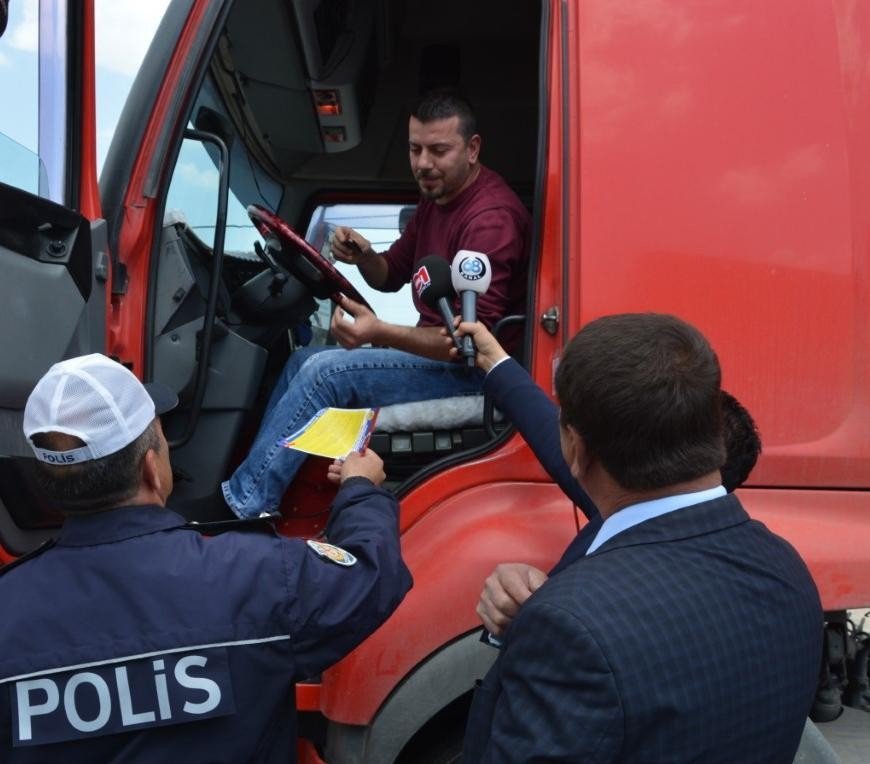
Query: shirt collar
pixel 635 514
pixel 117 525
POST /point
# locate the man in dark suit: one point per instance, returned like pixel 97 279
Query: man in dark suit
pixel 536 418
pixel 685 631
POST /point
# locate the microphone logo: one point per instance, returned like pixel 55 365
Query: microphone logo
pixel 472 268
pixel 421 280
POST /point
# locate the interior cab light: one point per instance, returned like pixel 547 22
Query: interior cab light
pixel 334 134
pixel 327 103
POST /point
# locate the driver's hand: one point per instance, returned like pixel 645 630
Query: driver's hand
pixel 361 327
pixel 348 246
pixel 368 465
pixel 506 588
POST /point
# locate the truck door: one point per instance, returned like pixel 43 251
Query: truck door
pixel 733 193
pixel 53 262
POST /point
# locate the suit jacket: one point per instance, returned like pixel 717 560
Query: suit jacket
pixel 694 636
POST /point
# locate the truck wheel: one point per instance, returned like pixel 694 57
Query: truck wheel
pixel 434 748
pixel 449 751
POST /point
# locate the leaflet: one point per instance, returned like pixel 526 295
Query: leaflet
pixel 334 432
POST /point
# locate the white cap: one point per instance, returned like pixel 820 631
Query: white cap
pixel 97 400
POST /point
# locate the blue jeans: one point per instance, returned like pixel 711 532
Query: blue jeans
pixel 315 378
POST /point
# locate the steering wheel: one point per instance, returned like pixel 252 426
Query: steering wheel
pixel 301 259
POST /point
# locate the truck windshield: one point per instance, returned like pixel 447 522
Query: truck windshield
pixel 19 110
pixel 19 166
pixel 192 193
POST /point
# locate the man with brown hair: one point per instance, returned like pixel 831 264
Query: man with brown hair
pixel 612 659
pixel 463 205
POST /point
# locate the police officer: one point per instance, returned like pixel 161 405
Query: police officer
pixel 134 638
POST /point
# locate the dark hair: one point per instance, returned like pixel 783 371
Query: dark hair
pixel 642 390
pixel 93 485
pixel 443 104
pixel 742 442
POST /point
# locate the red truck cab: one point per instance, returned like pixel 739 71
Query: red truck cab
pixel 706 160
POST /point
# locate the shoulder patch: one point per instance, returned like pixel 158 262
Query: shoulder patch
pixel 332 553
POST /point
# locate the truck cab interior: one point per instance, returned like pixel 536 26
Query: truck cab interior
pixel 311 101
pixel 300 108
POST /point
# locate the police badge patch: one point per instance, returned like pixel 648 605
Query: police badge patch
pixel 332 553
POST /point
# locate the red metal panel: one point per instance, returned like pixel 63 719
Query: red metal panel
pixel 450 551
pixel 306 753
pixel 830 530
pixel 89 192
pixel 723 176
pixel 307 697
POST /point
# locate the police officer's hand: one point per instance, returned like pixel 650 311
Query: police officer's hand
pixel 368 465
pixel 348 246
pixel 363 326
pixel 506 588
pixel 489 352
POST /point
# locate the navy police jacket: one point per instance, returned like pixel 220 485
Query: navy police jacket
pixel 136 638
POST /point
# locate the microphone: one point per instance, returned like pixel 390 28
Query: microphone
pixel 470 274
pixel 431 282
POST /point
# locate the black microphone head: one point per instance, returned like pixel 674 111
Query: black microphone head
pixel 431 280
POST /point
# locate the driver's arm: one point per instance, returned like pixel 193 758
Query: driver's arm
pixel 367 327
pixel 420 340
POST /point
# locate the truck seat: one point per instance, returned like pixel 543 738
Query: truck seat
pixel 443 414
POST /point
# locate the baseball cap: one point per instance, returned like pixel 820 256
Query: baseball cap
pixel 97 400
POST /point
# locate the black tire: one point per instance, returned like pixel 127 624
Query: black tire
pixel 442 746
pixel 447 751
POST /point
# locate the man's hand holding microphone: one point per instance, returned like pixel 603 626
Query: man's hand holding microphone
pixel 436 284
pixel 489 352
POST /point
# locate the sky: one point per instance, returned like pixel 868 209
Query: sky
pixel 124 29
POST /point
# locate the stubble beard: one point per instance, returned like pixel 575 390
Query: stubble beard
pixel 430 193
